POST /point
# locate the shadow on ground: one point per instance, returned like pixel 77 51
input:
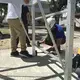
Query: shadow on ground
pixel 41 61
pixel 45 60
pixel 37 36
pixel 77 29
pixel 4 36
pixel 5 77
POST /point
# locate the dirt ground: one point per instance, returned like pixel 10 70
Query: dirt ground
pixel 5 43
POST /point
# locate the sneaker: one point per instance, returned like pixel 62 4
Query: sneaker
pixel 15 54
pixel 25 54
pixel 38 43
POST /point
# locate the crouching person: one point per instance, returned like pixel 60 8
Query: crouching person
pixel 57 32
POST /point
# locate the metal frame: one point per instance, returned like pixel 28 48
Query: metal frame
pixel 47 26
pixel 33 28
pixel 70 34
pixel 69 39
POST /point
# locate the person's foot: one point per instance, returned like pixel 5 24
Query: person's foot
pixel 15 54
pixel 25 54
pixel 38 43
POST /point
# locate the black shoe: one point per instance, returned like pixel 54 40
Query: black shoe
pixel 15 54
pixel 25 54
pixel 38 43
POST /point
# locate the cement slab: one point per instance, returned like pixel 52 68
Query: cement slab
pixel 41 67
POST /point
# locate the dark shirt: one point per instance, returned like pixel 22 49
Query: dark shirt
pixel 25 10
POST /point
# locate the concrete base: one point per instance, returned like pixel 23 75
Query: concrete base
pixel 41 67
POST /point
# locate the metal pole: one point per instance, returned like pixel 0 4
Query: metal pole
pixel 33 28
pixel 69 39
pixel 47 26
pixel 52 14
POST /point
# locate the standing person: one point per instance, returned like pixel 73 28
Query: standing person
pixel 25 16
pixel 16 30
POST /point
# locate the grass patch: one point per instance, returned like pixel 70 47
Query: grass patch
pixel 5 30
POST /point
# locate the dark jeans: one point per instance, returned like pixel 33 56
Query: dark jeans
pixel 26 27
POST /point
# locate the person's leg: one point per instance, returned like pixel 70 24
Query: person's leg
pixel 17 41
pixel 27 40
pixel 63 40
pixel 13 34
pixel 26 27
pixel 20 32
pixel 58 43
pixel 22 37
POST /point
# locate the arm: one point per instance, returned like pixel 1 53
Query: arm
pixel 29 17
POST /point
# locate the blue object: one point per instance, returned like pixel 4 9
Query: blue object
pixel 59 31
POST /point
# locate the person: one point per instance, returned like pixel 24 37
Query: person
pixel 57 32
pixel 26 18
pixel 77 71
pixel 16 30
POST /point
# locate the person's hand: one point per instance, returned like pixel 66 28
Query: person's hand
pixel 29 18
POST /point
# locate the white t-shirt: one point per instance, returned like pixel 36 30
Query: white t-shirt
pixel 11 14
pixel 14 9
pixel 17 4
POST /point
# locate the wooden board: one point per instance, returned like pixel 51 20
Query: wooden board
pixel 46 48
